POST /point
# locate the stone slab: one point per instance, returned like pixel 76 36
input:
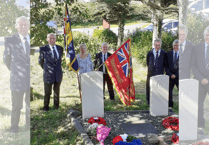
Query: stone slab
pixel 92 94
pixel 134 126
pixel 188 109
pixel 159 90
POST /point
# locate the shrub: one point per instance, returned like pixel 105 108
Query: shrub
pixel 196 24
pixel 106 35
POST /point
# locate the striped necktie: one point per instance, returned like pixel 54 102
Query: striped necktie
pixel 156 59
pixel 180 55
pixel 55 54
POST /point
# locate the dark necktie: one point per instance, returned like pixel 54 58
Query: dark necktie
pixel 175 58
pixel 55 54
pixel 156 59
pixel 207 58
pixel 27 46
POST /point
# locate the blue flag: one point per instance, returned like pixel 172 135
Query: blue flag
pixel 70 57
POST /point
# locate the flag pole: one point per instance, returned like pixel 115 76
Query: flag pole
pixel 79 86
pixel 100 66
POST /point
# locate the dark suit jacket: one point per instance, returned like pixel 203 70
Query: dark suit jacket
pixel 18 62
pixel 52 70
pixel 152 70
pixel 185 67
pixel 170 70
pixel 198 64
pixel 98 60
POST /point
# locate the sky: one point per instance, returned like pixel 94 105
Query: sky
pixel 25 3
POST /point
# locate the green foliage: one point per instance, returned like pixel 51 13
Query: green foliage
pixel 9 13
pixel 130 138
pixel 93 44
pixel 142 44
pixel 196 24
pixel 106 35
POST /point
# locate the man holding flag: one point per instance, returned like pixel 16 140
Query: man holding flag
pixel 119 67
pixel 99 60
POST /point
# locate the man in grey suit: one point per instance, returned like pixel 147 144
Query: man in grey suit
pixel 200 68
pixel 185 53
pixel 17 59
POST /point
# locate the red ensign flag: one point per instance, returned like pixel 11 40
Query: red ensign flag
pixel 119 66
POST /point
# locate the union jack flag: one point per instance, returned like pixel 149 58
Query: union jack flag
pixel 123 55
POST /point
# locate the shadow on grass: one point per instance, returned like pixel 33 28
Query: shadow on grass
pixel 5 111
pixel 53 126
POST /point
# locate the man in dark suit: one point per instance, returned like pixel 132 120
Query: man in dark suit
pixel 155 63
pixel 50 59
pixel 98 61
pixel 172 69
pixel 200 68
pixel 185 53
pixel 17 59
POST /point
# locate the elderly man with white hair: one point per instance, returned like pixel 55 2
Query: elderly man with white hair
pixel 17 59
pixel 99 59
pixel 200 68
pixel 50 60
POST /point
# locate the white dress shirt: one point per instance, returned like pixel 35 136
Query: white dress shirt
pixel 55 50
pixel 23 40
pixel 103 61
pixel 183 46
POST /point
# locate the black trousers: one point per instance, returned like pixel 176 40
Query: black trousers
pixel 203 90
pixel 48 92
pixel 106 78
pixel 17 105
pixel 172 83
pixel 148 90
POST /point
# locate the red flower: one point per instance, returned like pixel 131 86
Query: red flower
pixel 98 120
pixel 175 138
pixel 117 139
pixel 169 123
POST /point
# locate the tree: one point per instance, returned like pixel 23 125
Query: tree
pixel 158 9
pixel 183 10
pixel 115 11
pixel 9 13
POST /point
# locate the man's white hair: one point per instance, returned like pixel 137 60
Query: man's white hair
pixel 21 18
pixel 51 34
pixel 104 43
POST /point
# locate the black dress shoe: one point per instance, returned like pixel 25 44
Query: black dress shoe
pixel 56 107
pixel 45 110
pixel 13 131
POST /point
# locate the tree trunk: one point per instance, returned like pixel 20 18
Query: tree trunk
pixel 157 18
pixel 183 8
pixel 121 24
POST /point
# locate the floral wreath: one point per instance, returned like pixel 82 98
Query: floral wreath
pixel 169 123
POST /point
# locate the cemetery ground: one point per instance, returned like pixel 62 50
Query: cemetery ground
pixel 53 127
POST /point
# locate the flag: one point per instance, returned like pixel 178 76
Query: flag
pixel 119 66
pixel 70 57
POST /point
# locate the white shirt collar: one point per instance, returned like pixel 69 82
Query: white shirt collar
pixel 22 38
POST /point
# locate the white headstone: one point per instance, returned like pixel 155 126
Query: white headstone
pixel 92 94
pixel 159 88
pixel 188 109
